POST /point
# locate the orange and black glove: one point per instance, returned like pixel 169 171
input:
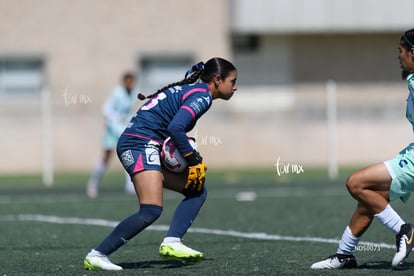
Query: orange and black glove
pixel 196 172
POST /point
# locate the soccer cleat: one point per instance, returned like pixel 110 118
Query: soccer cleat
pixel 336 261
pixel 179 252
pixel 97 261
pixel 404 244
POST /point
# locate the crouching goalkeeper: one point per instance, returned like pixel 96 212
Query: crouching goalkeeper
pixel 172 111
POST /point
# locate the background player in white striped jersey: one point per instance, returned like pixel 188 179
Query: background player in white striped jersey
pixel 117 113
pixel 374 187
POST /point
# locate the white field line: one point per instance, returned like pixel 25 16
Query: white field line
pixel 230 233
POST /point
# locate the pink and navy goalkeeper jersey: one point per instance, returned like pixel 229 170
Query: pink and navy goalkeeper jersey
pixel 172 112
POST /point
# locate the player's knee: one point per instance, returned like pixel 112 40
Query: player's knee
pixel 150 213
pixel 353 184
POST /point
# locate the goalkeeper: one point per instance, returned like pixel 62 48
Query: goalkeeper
pixel 172 111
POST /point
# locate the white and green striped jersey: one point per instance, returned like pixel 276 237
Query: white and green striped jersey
pixel 410 101
pixel 117 109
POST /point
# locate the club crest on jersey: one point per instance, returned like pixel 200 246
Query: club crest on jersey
pixel 127 158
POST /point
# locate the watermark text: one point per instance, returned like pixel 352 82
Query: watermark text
pixel 74 98
pixel 203 140
pixel 288 168
pixel 368 247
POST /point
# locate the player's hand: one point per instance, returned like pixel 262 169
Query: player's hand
pixel 196 172
pixel 196 177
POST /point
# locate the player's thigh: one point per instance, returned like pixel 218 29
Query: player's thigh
pixel 148 185
pixel 375 177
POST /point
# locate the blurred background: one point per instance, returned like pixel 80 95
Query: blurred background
pixel 59 60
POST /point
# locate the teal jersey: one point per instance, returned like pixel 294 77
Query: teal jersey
pixel 410 100
pixel 117 110
pixel 401 166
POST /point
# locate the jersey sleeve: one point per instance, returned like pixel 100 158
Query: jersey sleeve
pixel 193 107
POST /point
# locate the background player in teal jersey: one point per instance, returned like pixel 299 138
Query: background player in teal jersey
pixel 117 113
pixel 375 186
pixel 171 111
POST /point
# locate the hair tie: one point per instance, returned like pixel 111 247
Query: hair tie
pixel 141 96
pixel 197 67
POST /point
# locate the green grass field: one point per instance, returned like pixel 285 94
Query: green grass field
pixel 253 223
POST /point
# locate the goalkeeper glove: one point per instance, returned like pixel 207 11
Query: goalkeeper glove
pixel 196 172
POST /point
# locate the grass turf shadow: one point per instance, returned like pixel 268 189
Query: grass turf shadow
pixel 385 265
pixel 163 264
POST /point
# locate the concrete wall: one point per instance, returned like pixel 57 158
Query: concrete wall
pixel 86 46
pixel 320 16
pixel 371 127
pixel 279 110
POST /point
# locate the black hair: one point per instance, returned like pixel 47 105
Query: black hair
pixel 200 71
pixel 407 39
pixel 128 75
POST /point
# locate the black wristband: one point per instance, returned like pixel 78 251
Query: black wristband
pixel 194 158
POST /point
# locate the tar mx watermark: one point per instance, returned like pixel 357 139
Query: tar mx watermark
pixel 288 168
pixel 74 98
pixel 203 140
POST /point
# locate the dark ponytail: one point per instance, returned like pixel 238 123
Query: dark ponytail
pixel 191 76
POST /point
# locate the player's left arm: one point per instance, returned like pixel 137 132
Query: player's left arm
pixel 185 118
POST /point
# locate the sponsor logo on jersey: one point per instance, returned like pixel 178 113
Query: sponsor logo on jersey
pixel 402 163
pixel 152 154
pixel 197 105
